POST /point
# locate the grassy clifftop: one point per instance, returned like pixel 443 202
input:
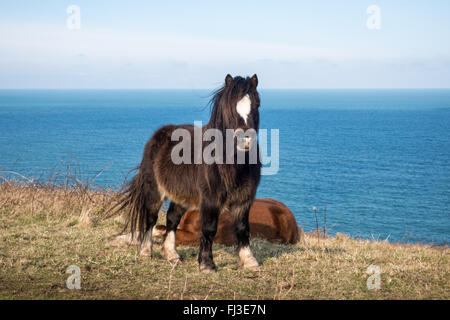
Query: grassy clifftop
pixel 44 230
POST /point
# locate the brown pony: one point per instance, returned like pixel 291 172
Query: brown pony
pixel 183 176
pixel 269 219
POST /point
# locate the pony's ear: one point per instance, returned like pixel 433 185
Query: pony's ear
pixel 254 80
pixel 228 80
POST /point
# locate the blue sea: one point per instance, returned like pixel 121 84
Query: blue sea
pixel 378 159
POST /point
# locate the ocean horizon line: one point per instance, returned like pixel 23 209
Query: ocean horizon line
pixel 214 88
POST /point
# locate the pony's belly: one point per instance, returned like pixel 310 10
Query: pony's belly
pixel 181 191
pixel 179 198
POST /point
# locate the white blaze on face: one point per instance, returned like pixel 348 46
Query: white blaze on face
pixel 243 107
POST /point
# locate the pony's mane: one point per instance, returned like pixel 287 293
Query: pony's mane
pixel 223 116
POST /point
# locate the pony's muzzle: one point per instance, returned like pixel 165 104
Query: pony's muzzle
pixel 243 141
pixel 247 142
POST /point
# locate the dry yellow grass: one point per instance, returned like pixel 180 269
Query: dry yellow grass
pixel 46 229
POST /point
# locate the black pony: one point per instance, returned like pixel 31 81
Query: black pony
pixel 208 187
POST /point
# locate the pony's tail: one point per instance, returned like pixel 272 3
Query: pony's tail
pixel 137 196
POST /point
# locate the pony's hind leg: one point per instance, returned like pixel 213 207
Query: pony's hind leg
pixel 242 232
pixel 174 214
pixel 146 244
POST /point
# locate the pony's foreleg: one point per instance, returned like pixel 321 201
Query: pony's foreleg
pixel 210 216
pixel 242 232
pixel 174 214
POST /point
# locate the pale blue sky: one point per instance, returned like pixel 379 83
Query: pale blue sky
pixel 194 44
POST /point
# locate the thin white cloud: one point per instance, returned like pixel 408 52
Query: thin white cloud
pixel 41 55
pixel 108 45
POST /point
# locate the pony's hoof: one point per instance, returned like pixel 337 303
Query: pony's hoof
pixel 123 240
pixel 174 260
pixel 250 264
pixel 171 257
pixel 256 267
pixel 207 269
pixel 247 261
pixel 146 252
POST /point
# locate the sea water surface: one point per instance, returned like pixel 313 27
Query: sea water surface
pixel 378 159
